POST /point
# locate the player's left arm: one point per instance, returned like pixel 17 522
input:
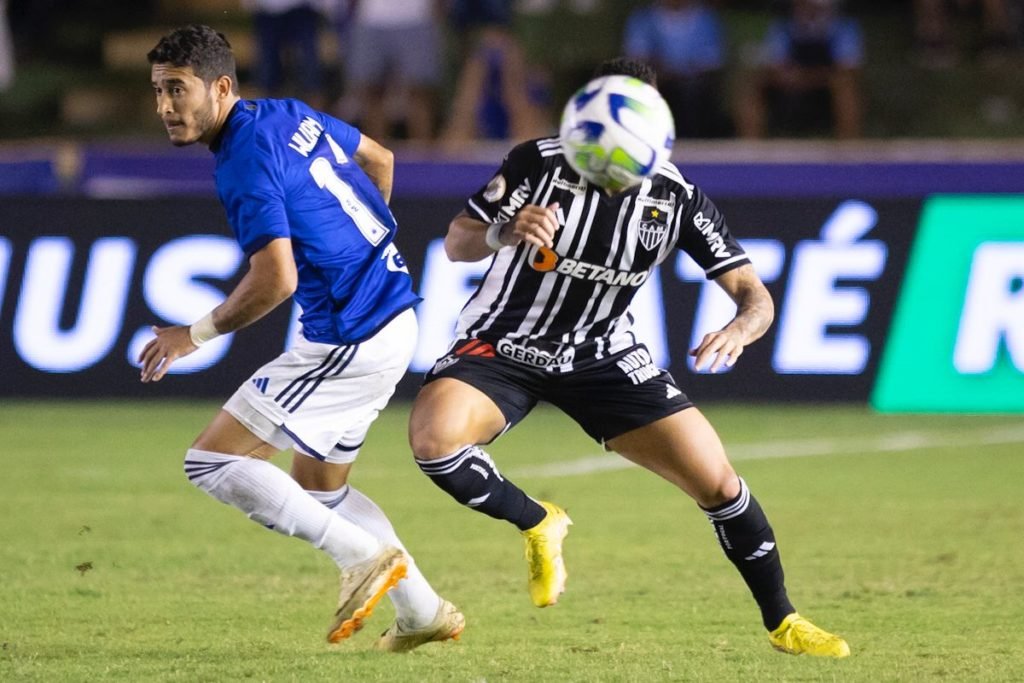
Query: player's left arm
pixel 271 279
pixel 378 163
pixel 754 314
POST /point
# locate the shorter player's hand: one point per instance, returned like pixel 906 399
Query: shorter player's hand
pixel 536 225
pixel 170 344
pixel 717 349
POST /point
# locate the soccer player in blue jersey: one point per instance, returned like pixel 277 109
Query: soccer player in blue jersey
pixel 307 198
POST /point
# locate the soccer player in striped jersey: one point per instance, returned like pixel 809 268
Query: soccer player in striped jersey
pixel 306 196
pixel 550 321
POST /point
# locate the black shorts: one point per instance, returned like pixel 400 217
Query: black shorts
pixel 606 397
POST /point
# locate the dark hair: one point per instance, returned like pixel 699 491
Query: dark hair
pixel 623 66
pixel 207 51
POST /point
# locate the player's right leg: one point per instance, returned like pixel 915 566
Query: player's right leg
pixel 226 461
pixel 684 449
pixel 421 615
pixel 449 417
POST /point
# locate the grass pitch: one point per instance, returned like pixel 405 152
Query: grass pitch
pixel 903 533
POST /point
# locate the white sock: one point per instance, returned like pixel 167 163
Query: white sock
pixel 271 497
pixel 415 601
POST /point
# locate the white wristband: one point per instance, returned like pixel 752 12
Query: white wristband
pixel 493 235
pixel 203 330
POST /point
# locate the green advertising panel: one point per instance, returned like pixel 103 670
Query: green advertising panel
pixel 957 337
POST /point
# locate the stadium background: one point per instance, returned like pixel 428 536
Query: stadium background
pixel 897 266
pixel 86 176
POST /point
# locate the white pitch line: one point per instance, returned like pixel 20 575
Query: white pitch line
pixel 887 443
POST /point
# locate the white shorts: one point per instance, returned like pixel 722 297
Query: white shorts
pixel 321 399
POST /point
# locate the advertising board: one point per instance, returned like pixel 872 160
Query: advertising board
pixel 83 280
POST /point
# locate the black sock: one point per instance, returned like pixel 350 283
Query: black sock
pixel 472 478
pixel 749 543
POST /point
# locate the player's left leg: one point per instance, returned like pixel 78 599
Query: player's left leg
pixel 421 615
pixel 458 408
pixel 684 449
pixel 227 462
pixel 327 421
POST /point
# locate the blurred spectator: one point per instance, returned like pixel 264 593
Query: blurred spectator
pixel 684 41
pixel 496 96
pixel 809 77
pixel 393 44
pixel 936 43
pixel 6 50
pixel 32 25
pixel 287 33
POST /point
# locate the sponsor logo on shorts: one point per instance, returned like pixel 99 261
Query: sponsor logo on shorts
pixel 469 347
pixel 443 363
pixel 538 358
pixel 475 347
pixel 261 383
pixel 638 366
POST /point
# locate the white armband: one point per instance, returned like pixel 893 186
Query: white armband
pixel 493 235
pixel 203 330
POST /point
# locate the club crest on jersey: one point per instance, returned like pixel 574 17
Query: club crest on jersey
pixel 653 227
pixel 495 189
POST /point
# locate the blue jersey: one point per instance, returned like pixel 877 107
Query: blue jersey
pixel 285 170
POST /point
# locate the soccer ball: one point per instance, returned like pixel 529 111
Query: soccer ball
pixel 616 131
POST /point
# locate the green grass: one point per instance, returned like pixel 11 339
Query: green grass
pixel 903 533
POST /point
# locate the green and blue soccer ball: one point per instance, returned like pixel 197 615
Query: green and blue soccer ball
pixel 616 131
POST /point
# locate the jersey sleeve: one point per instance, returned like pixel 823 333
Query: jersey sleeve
pixel 346 135
pixel 510 188
pixel 704 235
pixel 252 192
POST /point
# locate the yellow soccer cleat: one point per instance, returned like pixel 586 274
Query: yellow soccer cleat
pixel 798 636
pixel 362 587
pixel 544 555
pixel 447 625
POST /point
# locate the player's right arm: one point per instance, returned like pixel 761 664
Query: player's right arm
pixel 271 279
pixel 467 238
pixel 251 188
pixel 489 223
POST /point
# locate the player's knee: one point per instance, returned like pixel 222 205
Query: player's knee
pixel 204 468
pixel 430 441
pixel 432 435
pixel 718 490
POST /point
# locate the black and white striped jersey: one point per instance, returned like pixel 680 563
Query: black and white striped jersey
pixel 557 308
